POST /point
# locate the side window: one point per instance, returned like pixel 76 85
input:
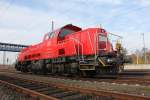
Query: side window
pixel 61 51
pixel 51 35
pixel 65 32
pixel 48 36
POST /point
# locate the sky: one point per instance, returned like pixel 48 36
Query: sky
pixel 26 21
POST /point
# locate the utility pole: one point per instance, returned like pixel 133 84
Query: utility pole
pixel 4 57
pixel 145 60
pixel 7 61
pixel 137 59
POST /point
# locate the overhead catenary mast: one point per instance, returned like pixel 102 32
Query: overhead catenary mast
pixel 145 59
pixel 52 26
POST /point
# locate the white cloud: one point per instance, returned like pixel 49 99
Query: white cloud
pixel 115 2
pixel 21 23
pixel 143 2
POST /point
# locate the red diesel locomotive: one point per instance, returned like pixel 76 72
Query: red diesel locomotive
pixel 71 50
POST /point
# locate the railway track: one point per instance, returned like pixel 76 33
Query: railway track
pixel 42 91
pixel 48 91
pixel 111 79
pixel 123 78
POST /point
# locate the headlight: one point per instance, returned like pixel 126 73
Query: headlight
pixel 109 60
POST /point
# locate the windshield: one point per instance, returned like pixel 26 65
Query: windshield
pixel 102 38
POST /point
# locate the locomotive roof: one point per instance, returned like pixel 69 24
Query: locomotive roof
pixel 69 26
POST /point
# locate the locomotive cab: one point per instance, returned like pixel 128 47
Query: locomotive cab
pixel 110 60
pixel 66 30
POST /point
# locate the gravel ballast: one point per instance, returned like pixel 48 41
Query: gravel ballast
pixel 121 88
pixel 9 94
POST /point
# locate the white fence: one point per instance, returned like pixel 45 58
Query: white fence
pixel 137 66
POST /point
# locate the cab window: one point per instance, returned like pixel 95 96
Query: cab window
pixel 102 38
pixel 65 32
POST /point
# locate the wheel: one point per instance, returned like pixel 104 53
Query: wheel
pixel 102 71
pixel 120 68
pixel 24 70
pixel 49 68
pixel 34 71
pixel 83 73
pixel 54 69
pixel 74 68
pixel 116 69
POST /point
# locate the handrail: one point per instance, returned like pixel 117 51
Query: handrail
pixel 95 41
pixel 78 47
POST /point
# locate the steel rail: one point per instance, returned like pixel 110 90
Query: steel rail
pixel 113 79
pixel 27 91
pixel 40 91
pixel 110 94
